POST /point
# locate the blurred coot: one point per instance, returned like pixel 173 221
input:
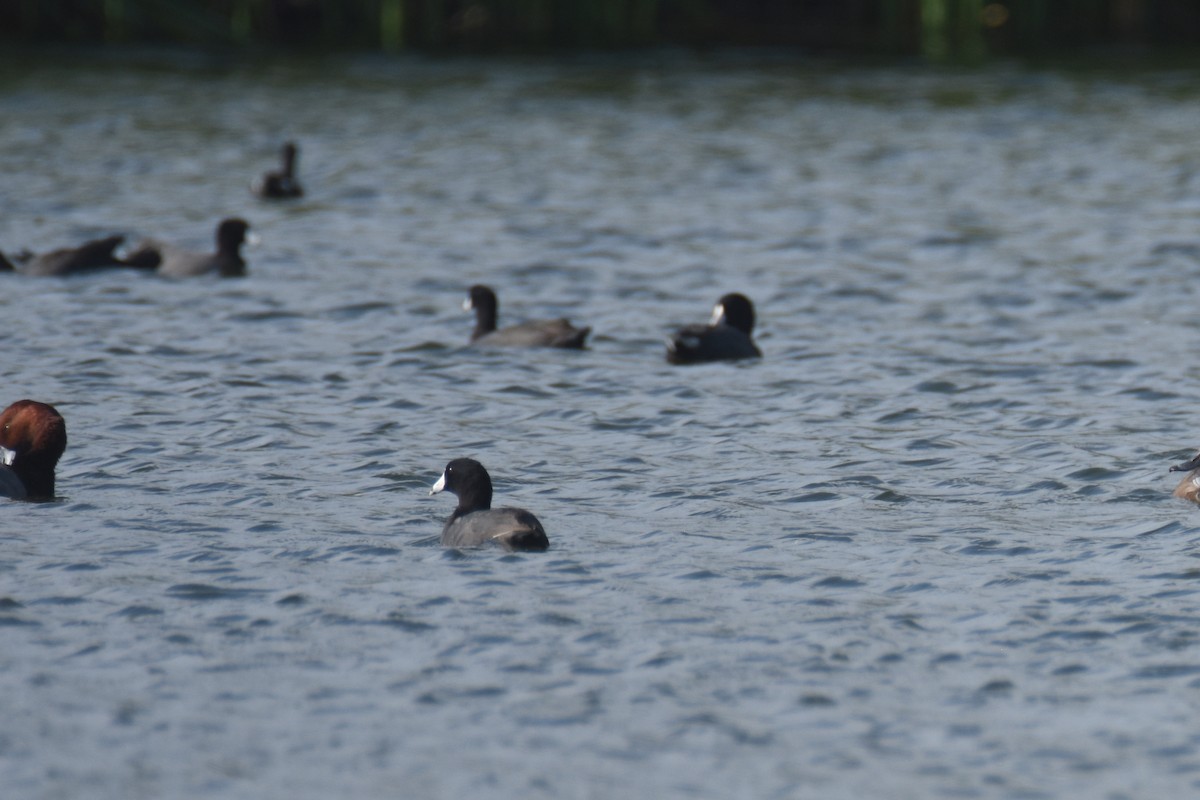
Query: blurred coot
pixel 169 260
pixel 280 184
pixel 87 257
pixel 537 333
pixel 725 338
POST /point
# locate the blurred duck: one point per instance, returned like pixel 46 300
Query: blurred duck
pixel 176 263
pixel 87 257
pixel 474 522
pixel 1189 487
pixel 33 437
pixel 538 333
pixel 280 184
pixel 725 338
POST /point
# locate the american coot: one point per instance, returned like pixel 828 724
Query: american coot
pixel 173 262
pixel 475 522
pixel 280 185
pixel 1189 487
pixel 89 256
pixel 33 437
pixel 725 338
pixel 539 333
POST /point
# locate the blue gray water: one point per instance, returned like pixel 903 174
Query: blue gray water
pixel 925 548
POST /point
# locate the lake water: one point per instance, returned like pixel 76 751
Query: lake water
pixel 924 548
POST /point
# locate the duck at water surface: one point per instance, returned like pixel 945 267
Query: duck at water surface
pixel 174 262
pixel 725 338
pixel 33 437
pixel 280 184
pixel 474 522
pixel 90 256
pixel 537 333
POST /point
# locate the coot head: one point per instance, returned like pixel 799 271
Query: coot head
pixel 231 233
pixel 482 300
pixel 469 481
pixel 736 311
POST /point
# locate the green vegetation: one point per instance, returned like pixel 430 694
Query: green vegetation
pixel 963 30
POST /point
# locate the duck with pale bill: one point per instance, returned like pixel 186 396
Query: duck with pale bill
pixel 474 522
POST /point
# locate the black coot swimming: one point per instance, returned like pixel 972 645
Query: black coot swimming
pixel 173 262
pixel 538 333
pixel 474 522
pixel 725 338
pixel 280 184
pixel 87 257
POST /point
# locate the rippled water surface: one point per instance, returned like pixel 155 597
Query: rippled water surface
pixel 925 548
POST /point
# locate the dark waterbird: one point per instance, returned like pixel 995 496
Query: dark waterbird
pixel 169 260
pixel 537 333
pixel 33 437
pixel 725 338
pixel 280 184
pixel 1189 487
pixel 474 522
pixel 87 257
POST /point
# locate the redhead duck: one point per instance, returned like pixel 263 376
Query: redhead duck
pixel 89 256
pixel 282 184
pixel 475 522
pixel 539 333
pixel 173 262
pixel 33 437
pixel 1189 487
pixel 725 338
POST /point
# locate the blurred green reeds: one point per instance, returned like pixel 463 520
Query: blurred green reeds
pixel 963 30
